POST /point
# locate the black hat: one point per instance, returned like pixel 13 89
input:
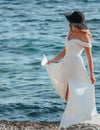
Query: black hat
pixel 77 18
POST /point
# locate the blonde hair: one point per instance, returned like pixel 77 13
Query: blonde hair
pixel 82 34
pixel 82 30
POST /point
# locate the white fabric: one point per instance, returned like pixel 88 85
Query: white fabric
pixel 72 72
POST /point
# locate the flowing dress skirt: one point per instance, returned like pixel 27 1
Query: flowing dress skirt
pixel 81 99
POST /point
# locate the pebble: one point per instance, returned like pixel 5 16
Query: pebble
pixel 24 125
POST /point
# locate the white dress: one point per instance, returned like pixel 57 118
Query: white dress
pixel 71 72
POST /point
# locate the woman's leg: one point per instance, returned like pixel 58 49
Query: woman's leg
pixel 67 92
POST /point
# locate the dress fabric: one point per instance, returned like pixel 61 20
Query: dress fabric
pixel 71 73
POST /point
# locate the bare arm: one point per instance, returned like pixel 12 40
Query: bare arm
pixel 90 61
pixel 59 56
pixel 88 53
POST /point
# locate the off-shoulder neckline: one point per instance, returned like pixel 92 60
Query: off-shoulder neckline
pixel 78 40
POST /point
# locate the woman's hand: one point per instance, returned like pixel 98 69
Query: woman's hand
pixel 58 57
pixel 88 52
pixel 50 61
pixel 93 79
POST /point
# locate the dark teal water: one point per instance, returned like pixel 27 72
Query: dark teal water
pixel 28 29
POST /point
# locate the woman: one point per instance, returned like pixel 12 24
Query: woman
pixel 69 77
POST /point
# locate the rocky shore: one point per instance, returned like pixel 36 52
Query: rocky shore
pixel 94 124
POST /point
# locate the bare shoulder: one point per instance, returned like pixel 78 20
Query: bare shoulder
pixel 86 37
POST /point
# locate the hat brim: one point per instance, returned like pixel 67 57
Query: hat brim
pixel 85 25
pixel 68 16
pixel 82 24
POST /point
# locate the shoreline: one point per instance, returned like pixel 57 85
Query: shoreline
pixel 26 125
pixel 94 124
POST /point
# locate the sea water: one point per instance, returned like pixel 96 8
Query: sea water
pixel 29 29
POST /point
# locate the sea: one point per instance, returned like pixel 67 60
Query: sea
pixel 28 30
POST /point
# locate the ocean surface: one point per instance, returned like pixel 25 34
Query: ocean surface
pixel 29 29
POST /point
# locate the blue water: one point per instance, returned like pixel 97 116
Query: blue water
pixel 28 29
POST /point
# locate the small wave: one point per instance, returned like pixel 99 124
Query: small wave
pixel 19 16
pixel 52 20
pixel 10 2
pixel 30 112
pixel 4 89
pixel 29 20
pixel 94 20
